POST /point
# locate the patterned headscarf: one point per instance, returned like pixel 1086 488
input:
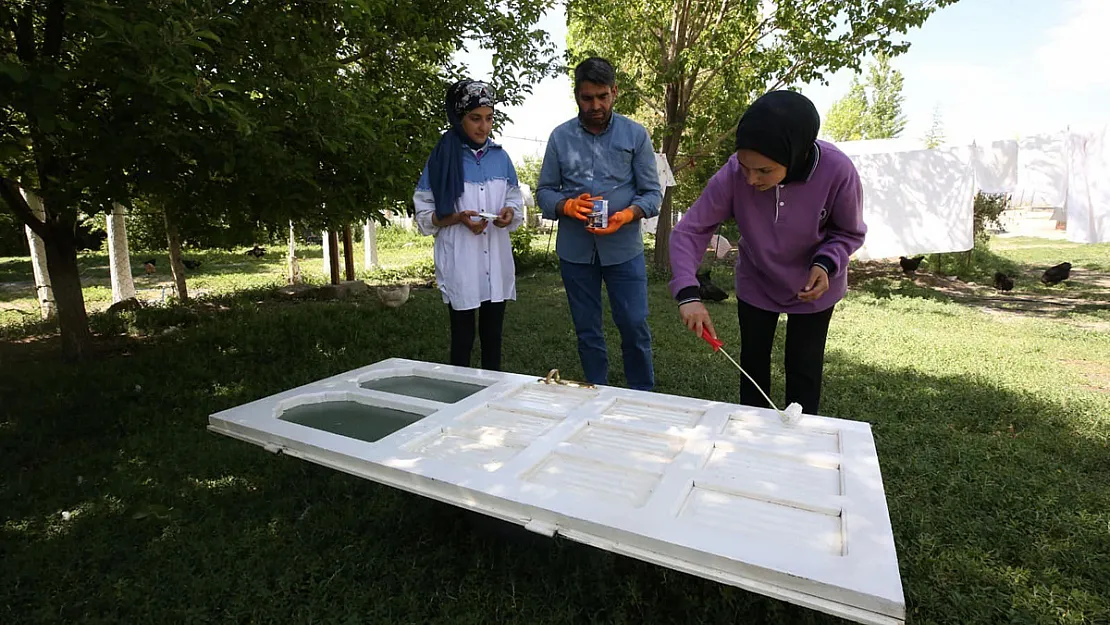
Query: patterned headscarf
pixel 465 96
pixel 445 167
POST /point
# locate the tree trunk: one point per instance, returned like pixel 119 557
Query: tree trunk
pixel 348 253
pixel 326 239
pixel 662 257
pixel 370 243
pixel 58 237
pixel 333 256
pixel 663 228
pixel 65 276
pixel 119 260
pixel 173 237
pixel 44 292
pixel 61 276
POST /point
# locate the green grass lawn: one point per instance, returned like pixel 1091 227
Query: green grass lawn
pixel 400 254
pixel 993 431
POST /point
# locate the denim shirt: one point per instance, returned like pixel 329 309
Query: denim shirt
pixel 619 166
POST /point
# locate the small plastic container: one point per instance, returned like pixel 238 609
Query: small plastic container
pixel 600 217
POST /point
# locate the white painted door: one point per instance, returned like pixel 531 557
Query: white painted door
pixel 722 491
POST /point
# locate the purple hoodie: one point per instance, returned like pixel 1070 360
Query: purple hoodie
pixel 783 232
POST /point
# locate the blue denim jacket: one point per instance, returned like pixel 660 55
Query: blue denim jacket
pixel 618 165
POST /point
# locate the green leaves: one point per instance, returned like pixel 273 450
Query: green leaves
pixel 688 70
pixel 251 113
pixel 14 71
pixel 935 135
pixel 847 117
pixel 884 116
pixel 207 34
pixel 236 116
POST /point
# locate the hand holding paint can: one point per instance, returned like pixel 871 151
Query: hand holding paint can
pixel 599 219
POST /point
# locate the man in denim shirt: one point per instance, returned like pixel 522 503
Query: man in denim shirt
pixel 601 154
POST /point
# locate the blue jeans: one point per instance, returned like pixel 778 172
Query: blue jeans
pixel 627 286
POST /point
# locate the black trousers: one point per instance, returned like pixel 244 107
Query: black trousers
pixel 805 355
pixel 491 318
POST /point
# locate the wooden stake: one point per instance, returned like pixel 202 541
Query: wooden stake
pixel 348 252
pixel 333 255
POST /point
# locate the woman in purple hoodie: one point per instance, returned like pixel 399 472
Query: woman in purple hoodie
pixel 797 203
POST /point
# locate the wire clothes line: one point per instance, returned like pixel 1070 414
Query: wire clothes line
pixel 524 138
pixel 543 140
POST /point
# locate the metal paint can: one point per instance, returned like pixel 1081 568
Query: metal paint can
pixel 600 217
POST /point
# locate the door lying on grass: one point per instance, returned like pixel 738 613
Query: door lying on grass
pixel 722 491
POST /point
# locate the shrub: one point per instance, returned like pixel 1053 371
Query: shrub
pixel 986 213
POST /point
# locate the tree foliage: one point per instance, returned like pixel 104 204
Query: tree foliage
pixel 529 171
pixel 233 115
pixel 884 112
pixel 689 68
pixel 934 136
pixel 870 110
pixel 847 117
pixel 13 241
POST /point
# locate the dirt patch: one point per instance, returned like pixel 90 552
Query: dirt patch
pixel 1084 291
pixel 1095 278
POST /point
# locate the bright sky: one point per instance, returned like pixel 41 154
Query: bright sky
pixel 997 69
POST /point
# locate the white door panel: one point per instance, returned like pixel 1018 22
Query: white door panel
pixel 722 491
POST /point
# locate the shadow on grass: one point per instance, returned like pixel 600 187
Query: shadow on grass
pixel 168 522
pixel 16 270
pixel 215 266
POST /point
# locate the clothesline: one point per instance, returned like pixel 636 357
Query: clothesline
pixel 920 201
pixel 524 139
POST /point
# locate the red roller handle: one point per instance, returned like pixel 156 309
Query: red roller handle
pixel 714 343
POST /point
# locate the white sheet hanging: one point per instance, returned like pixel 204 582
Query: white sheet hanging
pixel 666 177
pixel 1088 191
pixel 879 146
pixel 916 201
pixel 996 166
pixel 1042 178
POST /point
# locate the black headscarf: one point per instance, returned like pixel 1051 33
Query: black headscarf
pixel 783 126
pixel 445 167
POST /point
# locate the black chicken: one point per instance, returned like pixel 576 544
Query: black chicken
pixel 1002 282
pixel 910 265
pixel 709 291
pixel 190 264
pixel 1057 274
pixel 257 252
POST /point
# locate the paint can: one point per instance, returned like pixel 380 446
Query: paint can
pixel 600 217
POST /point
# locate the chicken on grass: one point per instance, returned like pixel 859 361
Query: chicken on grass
pixel 1057 274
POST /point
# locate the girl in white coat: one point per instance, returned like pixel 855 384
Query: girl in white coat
pixel 469 199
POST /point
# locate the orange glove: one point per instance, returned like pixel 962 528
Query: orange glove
pixel 579 207
pixel 616 220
